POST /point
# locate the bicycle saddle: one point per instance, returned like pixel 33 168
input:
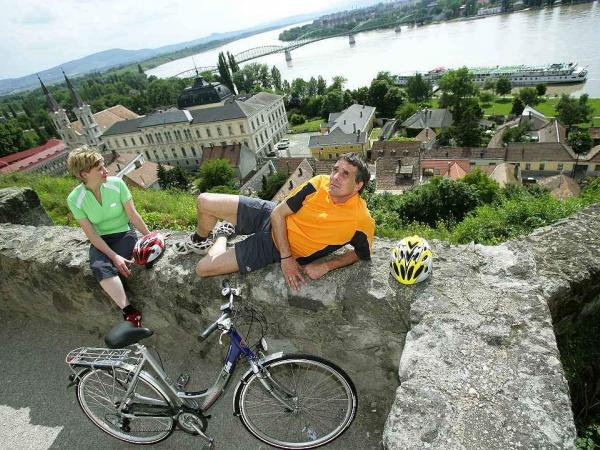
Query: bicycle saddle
pixel 126 334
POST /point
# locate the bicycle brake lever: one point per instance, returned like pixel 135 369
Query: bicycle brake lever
pixel 223 333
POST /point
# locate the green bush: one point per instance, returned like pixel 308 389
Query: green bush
pixel 297 119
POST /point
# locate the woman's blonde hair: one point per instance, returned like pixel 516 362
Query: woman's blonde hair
pixel 83 159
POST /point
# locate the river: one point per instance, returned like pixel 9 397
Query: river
pixel 559 34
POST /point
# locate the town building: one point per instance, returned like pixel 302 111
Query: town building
pixel 301 174
pixel 240 157
pixel 180 136
pixel 436 119
pixel 47 159
pixel 134 170
pixel 346 131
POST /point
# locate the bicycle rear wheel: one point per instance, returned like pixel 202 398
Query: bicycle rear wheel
pixel 321 397
pixel 100 392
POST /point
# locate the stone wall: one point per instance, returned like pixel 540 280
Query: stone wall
pixel 479 367
pixel 22 205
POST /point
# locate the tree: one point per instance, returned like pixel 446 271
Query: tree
pixel 529 96
pixel 321 85
pixel 276 77
pixel 392 100
pixel 313 105
pixel 224 72
pixel 175 178
pixel 271 185
pixel 486 97
pixel 580 141
pixel 489 84
pixel 503 86
pixel 233 65
pixel 299 88
pixel 517 106
pixel 572 111
pixel 405 111
pixel 338 83
pixel 377 92
pixel 216 172
pixel 139 67
pixel 12 139
pixel 312 87
pixel 488 190
pixel 516 134
pixel 466 130
pixel 457 86
pixel 361 95
pixel 297 119
pixel 541 89
pixel 333 101
pixel 418 89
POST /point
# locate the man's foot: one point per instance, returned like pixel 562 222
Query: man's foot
pixel 190 246
pixel 135 317
pixel 224 229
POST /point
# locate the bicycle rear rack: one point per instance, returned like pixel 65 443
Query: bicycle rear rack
pixel 103 357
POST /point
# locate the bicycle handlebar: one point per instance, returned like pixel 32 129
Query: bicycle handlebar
pixel 211 328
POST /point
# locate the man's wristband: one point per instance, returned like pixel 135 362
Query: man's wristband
pixel 289 256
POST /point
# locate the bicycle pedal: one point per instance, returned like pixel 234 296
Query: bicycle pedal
pixel 182 381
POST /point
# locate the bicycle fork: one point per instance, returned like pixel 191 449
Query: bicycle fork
pixel 269 383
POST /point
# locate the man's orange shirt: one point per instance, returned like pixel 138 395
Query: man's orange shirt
pixel 319 226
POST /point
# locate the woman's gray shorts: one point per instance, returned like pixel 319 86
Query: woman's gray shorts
pixel 258 249
pixel 121 243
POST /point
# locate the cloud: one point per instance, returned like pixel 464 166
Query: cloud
pixel 38 17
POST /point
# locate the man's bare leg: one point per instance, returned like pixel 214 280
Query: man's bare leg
pixel 218 261
pixel 212 207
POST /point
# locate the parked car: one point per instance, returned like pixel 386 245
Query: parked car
pixel 283 144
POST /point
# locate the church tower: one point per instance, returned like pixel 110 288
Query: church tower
pixel 90 128
pixel 61 121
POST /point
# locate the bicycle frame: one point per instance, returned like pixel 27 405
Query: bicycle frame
pixel 237 349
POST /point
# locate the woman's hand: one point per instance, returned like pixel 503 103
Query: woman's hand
pixel 121 265
pixel 292 273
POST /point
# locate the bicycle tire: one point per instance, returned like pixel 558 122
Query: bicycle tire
pixel 98 391
pixel 308 422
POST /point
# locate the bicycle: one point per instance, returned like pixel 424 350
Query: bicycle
pixel 293 401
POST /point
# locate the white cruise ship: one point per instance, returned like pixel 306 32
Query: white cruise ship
pixel 521 75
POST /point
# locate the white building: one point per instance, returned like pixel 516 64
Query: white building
pixel 177 136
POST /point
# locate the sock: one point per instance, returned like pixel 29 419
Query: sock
pixel 128 310
pixel 197 238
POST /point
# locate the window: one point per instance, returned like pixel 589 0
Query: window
pixel 141 140
pixel 560 167
pixel 230 130
pixel 597 168
pixel 208 132
pixel 133 142
pixel 219 132
pixel 329 155
pixel 527 166
pixel 242 128
pixel 193 151
pixel 124 142
pixel 542 166
pixel 147 155
pixel 174 153
pixel 223 143
pixel 183 152
pixel 257 144
pixel 198 134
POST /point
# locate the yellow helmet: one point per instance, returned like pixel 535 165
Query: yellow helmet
pixel 411 260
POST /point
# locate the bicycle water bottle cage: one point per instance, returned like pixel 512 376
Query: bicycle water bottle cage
pixel 126 334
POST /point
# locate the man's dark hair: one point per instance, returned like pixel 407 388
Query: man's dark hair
pixel 362 170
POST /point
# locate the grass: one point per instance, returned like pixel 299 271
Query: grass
pixel 310 126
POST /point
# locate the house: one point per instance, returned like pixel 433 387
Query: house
pixel 344 132
pixel 241 158
pixel 453 169
pixel 48 159
pixel 539 160
pixel 503 173
pixel 134 170
pixel 595 135
pixel 436 119
pixel 394 149
pixel 302 173
pixel 255 183
pixel 396 174
pixel 592 161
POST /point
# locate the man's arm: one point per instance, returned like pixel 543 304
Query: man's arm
pixel 290 268
pixel 317 269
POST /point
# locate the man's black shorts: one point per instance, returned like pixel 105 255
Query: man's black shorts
pixel 257 250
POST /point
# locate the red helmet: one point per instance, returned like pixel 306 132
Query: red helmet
pixel 148 248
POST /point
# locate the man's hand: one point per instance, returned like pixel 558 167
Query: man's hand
pixel 316 270
pixel 121 265
pixel 292 273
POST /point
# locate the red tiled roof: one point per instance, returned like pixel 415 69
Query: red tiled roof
pixel 108 117
pixel 455 168
pixel 229 153
pixel 13 157
pixel 36 158
pixel 386 149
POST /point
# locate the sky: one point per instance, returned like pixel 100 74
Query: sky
pixel 39 34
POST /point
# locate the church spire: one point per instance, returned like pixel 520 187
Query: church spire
pixel 74 95
pixel 52 104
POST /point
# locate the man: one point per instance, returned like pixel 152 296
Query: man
pixel 317 218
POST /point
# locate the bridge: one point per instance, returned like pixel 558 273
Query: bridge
pixel 308 38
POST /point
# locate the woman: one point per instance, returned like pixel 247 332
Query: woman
pixel 104 208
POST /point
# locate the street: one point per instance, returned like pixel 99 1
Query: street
pixel 37 411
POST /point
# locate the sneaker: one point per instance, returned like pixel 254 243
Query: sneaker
pixel 135 318
pixel 189 246
pixel 224 229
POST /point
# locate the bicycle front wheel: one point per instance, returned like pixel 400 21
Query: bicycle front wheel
pixel 319 402
pixel 100 393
